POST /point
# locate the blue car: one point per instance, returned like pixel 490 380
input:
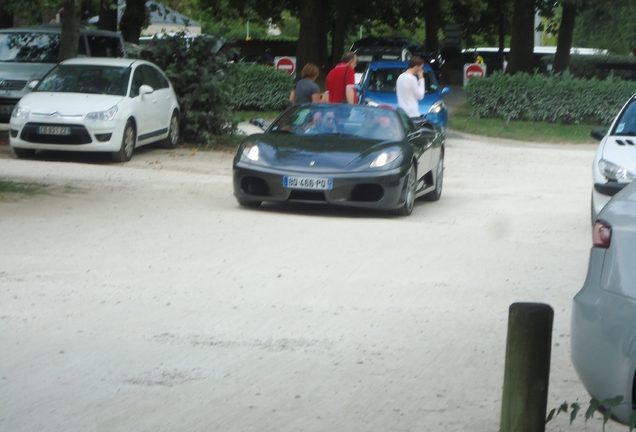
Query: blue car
pixel 377 87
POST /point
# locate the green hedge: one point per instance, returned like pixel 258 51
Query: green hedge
pixel 599 66
pixel 261 88
pixel 548 98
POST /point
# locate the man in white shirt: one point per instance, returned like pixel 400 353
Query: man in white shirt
pixel 410 87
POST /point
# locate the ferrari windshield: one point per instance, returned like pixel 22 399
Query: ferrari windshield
pixel 341 120
pixel 95 79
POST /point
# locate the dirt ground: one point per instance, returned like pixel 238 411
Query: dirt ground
pixel 141 297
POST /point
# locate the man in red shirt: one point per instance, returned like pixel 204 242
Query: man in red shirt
pixel 340 84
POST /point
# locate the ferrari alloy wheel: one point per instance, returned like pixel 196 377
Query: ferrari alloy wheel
pixel 409 193
pixel 439 181
pixel 127 144
pixel 172 139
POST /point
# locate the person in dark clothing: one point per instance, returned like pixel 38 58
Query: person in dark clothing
pixel 306 90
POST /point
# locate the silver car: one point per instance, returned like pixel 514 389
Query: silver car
pixel 604 312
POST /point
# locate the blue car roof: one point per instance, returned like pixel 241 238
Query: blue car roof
pixel 395 64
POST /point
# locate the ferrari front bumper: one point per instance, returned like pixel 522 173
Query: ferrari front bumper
pixel 367 189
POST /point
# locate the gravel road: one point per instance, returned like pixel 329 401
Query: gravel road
pixel 141 297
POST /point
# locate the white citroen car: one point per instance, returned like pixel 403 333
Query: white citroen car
pixel 97 105
pixel 614 166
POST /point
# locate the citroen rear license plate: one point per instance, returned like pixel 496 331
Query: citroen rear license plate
pixel 54 130
pixel 307 183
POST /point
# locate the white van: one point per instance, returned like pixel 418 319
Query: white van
pixel 28 53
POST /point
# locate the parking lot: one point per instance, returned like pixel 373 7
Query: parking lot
pixel 140 296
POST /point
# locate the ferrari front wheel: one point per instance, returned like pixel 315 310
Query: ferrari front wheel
pixel 409 193
pixel 436 194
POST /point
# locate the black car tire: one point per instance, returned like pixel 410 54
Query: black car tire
pixel 23 152
pixel 409 193
pixel 128 141
pixel 436 194
pixel 172 139
pixel 246 203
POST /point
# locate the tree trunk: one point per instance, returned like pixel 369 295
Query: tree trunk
pixel 564 42
pixel 133 20
pixel 432 11
pixel 69 39
pixel 107 15
pixel 308 49
pixel 522 37
pixel 340 27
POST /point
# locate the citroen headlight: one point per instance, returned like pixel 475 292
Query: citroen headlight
pixel 20 113
pixel 107 115
pixel 384 158
pixel 251 152
pixel 437 108
pixel 614 172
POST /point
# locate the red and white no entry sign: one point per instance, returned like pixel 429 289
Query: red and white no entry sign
pixel 286 64
pixel 474 70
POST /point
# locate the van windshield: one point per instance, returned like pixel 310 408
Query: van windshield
pixel 29 47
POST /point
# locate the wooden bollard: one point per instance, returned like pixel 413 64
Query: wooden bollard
pixel 527 368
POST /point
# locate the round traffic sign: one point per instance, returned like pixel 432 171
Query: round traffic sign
pixel 475 71
pixel 286 64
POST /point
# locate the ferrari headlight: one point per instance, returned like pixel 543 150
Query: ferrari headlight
pixel 251 152
pixel 437 108
pixel 20 113
pixel 614 172
pixel 384 158
pixel 107 115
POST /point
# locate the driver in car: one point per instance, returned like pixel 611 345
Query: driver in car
pixel 325 124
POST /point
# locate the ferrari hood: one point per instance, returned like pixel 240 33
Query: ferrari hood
pixel 67 104
pixel 320 152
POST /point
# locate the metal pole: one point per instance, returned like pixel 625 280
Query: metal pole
pixel 527 369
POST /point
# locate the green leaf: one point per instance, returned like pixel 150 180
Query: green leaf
pixel 612 402
pixel 606 416
pixel 575 411
pixel 550 415
pixel 591 409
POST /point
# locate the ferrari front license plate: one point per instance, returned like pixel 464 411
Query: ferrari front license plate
pixel 54 130
pixel 307 183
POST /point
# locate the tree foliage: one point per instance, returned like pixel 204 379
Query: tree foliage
pixel 608 25
pixel 203 81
